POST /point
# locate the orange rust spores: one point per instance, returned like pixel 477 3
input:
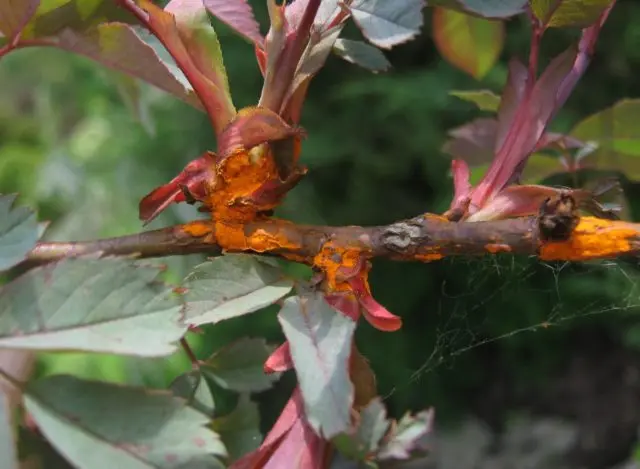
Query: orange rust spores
pixel 593 238
pixel 198 228
pixel 495 248
pixel 262 240
pixel 230 236
pixel 333 260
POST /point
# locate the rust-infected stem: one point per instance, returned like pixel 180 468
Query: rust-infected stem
pixel 422 238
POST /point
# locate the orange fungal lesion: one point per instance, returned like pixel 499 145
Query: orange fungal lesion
pixel 593 238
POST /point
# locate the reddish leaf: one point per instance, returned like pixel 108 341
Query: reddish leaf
pixel 195 48
pixel 473 142
pixel 253 126
pixel 326 17
pixel 192 178
pixel 470 43
pixel 319 48
pixel 117 46
pixel 238 14
pixel 528 124
pixel 291 443
pixel 14 16
pixel 461 183
pixel 525 200
pixel 280 360
pixel 512 96
pixel 376 314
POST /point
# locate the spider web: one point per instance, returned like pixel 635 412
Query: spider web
pixel 500 298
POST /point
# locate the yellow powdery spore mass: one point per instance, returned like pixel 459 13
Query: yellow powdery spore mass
pixel 337 262
pixel 239 175
pixel 593 238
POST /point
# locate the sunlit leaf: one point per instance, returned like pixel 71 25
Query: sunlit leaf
pixel 485 100
pixel 99 305
pixel 15 14
pixel 52 17
pixel 238 15
pixel 253 126
pixel 512 96
pixel 239 366
pixel 407 436
pixel 8 456
pixel 615 131
pixel 193 178
pixel 568 13
pixel 194 46
pixel 240 430
pixel 100 425
pixel 18 232
pixel 202 44
pixel 615 128
pixel 193 387
pixel 316 57
pixel 120 48
pixel 484 8
pixel 320 341
pixel 471 44
pixel 231 286
pixel 361 53
pixel 386 23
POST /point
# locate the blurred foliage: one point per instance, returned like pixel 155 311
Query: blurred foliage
pixel 72 147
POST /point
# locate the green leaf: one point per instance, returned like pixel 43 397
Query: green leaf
pixel 406 437
pixel 15 14
pixel 239 366
pixel 231 286
pixel 99 305
pixel 240 429
pixel 615 131
pixel 19 232
pixel 385 23
pixel 8 456
pixel 361 53
pixel 193 387
pixel 485 100
pixel 469 43
pixel 484 8
pixel 568 13
pixel 320 340
pixel 98 425
pixel 55 16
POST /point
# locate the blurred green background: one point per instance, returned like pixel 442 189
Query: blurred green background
pixel 487 337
